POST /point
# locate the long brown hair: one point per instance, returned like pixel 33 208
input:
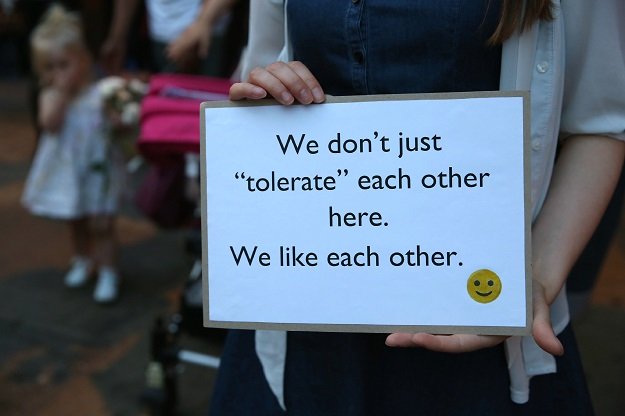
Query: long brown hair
pixel 519 14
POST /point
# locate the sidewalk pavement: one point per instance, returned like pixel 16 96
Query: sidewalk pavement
pixel 60 353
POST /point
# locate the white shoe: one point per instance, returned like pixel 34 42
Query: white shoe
pixel 107 288
pixel 79 273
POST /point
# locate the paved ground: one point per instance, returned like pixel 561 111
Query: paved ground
pixel 60 354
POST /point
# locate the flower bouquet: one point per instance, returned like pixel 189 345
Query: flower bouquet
pixel 121 100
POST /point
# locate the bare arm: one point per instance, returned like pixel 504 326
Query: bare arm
pixel 586 173
pixel 114 48
pixel 52 105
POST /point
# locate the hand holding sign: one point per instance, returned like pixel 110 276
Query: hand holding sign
pixel 286 82
pixel 542 331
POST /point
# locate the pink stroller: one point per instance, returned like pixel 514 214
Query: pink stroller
pixel 169 139
pixel 170 113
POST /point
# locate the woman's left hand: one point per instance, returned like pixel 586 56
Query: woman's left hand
pixel 444 343
pixel 541 331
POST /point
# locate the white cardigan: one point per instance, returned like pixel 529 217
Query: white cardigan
pixel 585 38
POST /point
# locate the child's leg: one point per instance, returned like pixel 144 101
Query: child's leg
pixel 79 272
pixel 102 235
pixel 80 237
pixel 102 231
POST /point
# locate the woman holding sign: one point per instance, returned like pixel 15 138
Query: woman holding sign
pixel 378 47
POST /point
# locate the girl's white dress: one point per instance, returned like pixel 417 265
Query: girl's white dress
pixel 76 171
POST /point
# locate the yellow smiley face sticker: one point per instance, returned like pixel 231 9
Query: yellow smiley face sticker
pixel 484 286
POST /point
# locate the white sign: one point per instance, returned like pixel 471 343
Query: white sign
pixel 369 214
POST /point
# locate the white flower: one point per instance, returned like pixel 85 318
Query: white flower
pixel 138 87
pixel 130 114
pixel 107 86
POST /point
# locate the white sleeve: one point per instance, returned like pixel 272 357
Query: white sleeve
pixel 594 91
pixel 266 34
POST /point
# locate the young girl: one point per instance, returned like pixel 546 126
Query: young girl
pixel 75 176
pixel 303 49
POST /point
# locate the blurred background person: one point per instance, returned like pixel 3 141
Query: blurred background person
pixel 191 36
pixel 76 175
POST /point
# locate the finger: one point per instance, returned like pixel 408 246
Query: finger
pixel 304 73
pixel 203 45
pixel 400 339
pixel 173 52
pixel 542 331
pixel 169 51
pixel 245 90
pixel 261 77
pixel 445 343
pixel 295 85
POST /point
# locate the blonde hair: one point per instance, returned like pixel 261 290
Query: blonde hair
pixel 57 30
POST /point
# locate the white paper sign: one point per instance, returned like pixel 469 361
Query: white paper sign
pixel 369 214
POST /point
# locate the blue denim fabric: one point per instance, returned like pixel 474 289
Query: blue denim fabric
pixel 330 374
pixel 399 46
pixel 357 375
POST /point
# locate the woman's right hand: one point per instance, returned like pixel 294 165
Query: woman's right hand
pixel 284 81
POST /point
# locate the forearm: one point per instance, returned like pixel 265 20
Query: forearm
pixel 123 12
pixel 584 178
pixel 52 106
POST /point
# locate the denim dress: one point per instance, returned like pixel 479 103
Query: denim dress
pixel 356 47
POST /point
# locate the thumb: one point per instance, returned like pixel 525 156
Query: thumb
pixel 542 330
